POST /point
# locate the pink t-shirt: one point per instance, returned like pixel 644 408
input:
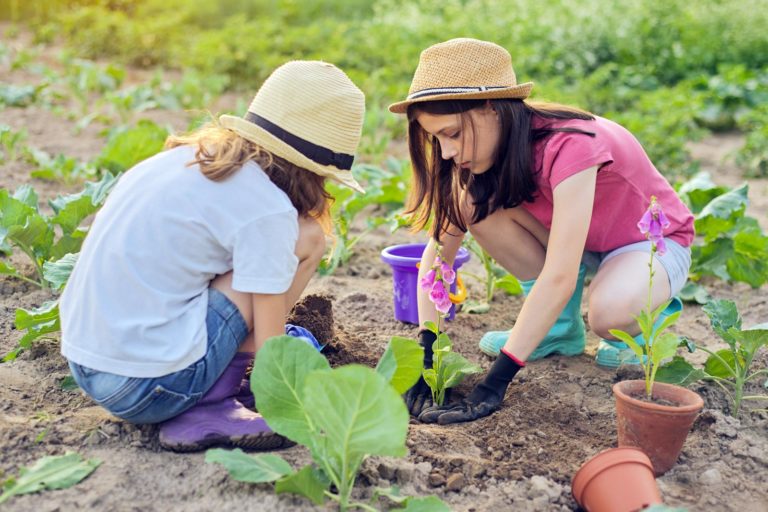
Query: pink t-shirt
pixel 626 180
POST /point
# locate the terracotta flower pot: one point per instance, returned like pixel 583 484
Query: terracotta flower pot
pixel 659 430
pixel 616 480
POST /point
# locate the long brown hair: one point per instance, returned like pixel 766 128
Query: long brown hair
pixel 511 180
pixel 221 152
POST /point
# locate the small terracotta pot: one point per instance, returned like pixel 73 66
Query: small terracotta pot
pixel 616 480
pixel 659 430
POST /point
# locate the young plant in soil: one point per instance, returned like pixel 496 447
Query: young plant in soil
pixel 52 243
pixel 341 415
pixel 448 367
pixel 51 472
pixel 496 278
pixel 730 367
pixel 659 345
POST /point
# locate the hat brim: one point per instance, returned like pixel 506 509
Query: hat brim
pixel 520 91
pixel 279 148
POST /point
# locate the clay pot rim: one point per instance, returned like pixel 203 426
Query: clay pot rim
pixel 604 460
pixel 695 402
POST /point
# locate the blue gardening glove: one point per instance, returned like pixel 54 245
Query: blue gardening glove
pixel 305 334
pixel 482 401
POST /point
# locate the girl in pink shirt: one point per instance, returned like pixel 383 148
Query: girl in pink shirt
pixel 545 189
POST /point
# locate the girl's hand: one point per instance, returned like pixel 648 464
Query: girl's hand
pixel 482 401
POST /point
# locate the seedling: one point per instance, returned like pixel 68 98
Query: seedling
pixel 496 278
pixel 448 367
pixel 341 415
pixel 659 345
pixel 730 367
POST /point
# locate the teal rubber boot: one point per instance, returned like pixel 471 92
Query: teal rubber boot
pixel 612 354
pixel 567 336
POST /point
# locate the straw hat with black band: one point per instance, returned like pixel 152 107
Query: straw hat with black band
pixel 310 114
pixel 463 69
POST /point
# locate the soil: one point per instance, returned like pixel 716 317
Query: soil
pixel 557 414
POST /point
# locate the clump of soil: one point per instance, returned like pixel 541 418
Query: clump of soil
pixel 314 312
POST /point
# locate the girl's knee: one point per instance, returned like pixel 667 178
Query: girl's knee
pixel 607 313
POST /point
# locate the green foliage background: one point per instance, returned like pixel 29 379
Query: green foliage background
pixel 668 69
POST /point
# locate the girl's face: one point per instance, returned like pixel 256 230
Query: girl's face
pixel 471 145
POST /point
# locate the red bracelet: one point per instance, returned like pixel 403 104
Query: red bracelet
pixel 512 357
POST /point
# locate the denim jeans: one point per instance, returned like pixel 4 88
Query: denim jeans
pixel 156 399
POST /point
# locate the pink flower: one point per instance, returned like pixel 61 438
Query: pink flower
pixel 439 296
pixel 428 280
pixel 449 276
pixel 652 225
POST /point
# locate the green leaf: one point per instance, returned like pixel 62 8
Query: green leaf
pixel 679 371
pixel 664 347
pixel 279 372
pixel 52 472
pixel 752 339
pixel 8 269
pixel 402 363
pixel 722 314
pixel 693 292
pixel 455 367
pixel 357 413
pixel 127 147
pixel 27 195
pixel 430 377
pixel 713 258
pixel 309 482
pixel 57 273
pixel 432 326
pixel 510 284
pixel 255 469
pixel 475 307
pixel 427 504
pixel 630 341
pixel 716 368
pixel 732 203
pixel 71 210
pixel 47 312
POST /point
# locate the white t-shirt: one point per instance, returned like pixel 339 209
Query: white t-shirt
pixel 136 302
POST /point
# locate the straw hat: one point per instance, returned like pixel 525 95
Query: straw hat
pixel 309 113
pixel 463 69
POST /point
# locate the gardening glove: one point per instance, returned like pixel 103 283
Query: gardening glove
pixel 304 334
pixel 483 400
pixel 419 397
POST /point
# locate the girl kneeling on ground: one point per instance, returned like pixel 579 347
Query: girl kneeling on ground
pixel 548 191
pixel 200 252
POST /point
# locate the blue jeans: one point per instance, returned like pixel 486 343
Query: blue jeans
pixel 156 399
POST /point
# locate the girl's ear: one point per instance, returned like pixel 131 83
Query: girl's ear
pixel 489 108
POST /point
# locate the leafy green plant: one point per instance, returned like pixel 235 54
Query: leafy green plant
pixel 46 239
pixel 729 368
pixel 659 345
pixel 448 368
pixel 386 188
pixel 52 472
pixel 496 278
pixel 11 143
pixel 341 415
pixel 126 146
pixel 58 168
pixel 733 247
pixel 20 95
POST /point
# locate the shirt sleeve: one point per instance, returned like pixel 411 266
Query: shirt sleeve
pixel 263 259
pixel 569 153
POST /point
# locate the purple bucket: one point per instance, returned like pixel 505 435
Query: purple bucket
pixel 405 275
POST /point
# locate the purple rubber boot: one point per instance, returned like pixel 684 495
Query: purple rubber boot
pixel 245 395
pixel 219 419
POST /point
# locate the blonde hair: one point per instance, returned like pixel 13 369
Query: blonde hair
pixel 222 152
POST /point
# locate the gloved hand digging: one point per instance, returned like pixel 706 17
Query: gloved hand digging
pixel 419 397
pixel 483 400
